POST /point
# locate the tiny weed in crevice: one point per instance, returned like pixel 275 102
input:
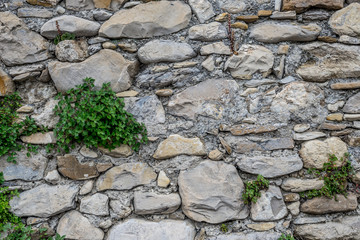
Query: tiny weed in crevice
pixel 286 237
pixel 224 228
pixel 253 188
pixel 335 178
pixel 96 118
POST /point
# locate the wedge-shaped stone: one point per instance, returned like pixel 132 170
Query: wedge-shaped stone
pixel 251 59
pixel 302 5
pixel 211 192
pixel 323 205
pixel 334 61
pixel 176 145
pixel 126 176
pixel 271 167
pixel 147 20
pixel 152 203
pixel 114 68
pixel 208 98
pixel 301 185
pixel 170 52
pixel 347 227
pixel 203 9
pixel 18 44
pixel 70 167
pixel 273 32
pixel 121 151
pixel 97 204
pixel 346 21
pixel 75 226
pixel 208 32
pixel 270 206
pixel 142 229
pixel 7 86
pixel 315 153
pixel 44 201
pixel 306 136
pixel 353 104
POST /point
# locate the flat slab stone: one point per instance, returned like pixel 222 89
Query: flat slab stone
pixel 352 105
pixel 146 230
pixel 44 201
pixel 302 5
pixel 70 167
pixel 248 236
pixel 306 136
pixel 245 129
pixel 126 176
pixel 270 206
pixel 271 167
pixel 153 203
pixel 334 61
pixel 39 138
pixel 211 192
pixel 147 20
pixel 215 48
pixel 176 145
pixel 346 21
pixel 232 6
pixel 75 226
pixel 208 32
pixel 345 86
pixel 18 44
pixel 342 228
pixel 78 26
pixel 97 204
pixel 170 52
pixel 114 69
pixel 273 32
pixel 301 185
pixel 323 205
pixel 34 12
pixel 203 9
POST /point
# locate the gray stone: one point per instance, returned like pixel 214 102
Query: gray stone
pixel 256 83
pixel 332 61
pixel 347 227
pixel 248 236
pixel 70 24
pixel 294 208
pixel 71 51
pixel 346 21
pixel 208 32
pixel 34 13
pixel 232 6
pixel 114 69
pixel 309 220
pixel 215 48
pixel 47 117
pixel 97 204
pixel 272 32
pixel 353 104
pixel 251 59
pixel 44 201
pixel 279 143
pixel 121 208
pixel 301 185
pixel 203 9
pixel 52 177
pixel 101 15
pixel 306 136
pixel 122 151
pixel 14 71
pixel 349 40
pixel 146 230
pixel 283 15
pixel 126 176
pixel 270 206
pixel 152 203
pixel 79 5
pixel 147 20
pixel 26 168
pixel 271 167
pixel 19 45
pixel 86 188
pixel 316 15
pixel 209 63
pixel 75 226
pixel 211 192
pixel 170 52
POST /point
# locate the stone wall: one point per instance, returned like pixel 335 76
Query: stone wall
pixel 286 98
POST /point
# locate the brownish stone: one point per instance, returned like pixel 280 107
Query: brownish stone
pixel 302 5
pixel 6 84
pixel 264 13
pixel 44 3
pixel 70 167
pixel 327 39
pixel 102 3
pixel 345 86
pixel 248 18
pixel 239 130
pixel 225 145
pixel 342 133
pixel 332 126
pixel 323 205
pixel 102 167
pixel 246 146
pixel 335 117
pixel 291 197
pixel 240 25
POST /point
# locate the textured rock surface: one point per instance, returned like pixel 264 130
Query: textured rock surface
pixel 248 236
pixel 7 86
pixel 18 44
pixel 126 176
pixel 203 9
pixel 232 6
pixel 71 51
pixel 271 32
pixel 114 69
pixel 152 203
pixel 44 201
pixel 352 104
pixel 208 32
pixel 250 60
pixel 176 145
pixel 220 204
pixel 75 226
pixel 346 21
pixel 302 5
pixel 47 117
pixel 301 185
pixel 97 204
pixel 39 138
pixel 70 167
pixel 142 229
pixel 147 20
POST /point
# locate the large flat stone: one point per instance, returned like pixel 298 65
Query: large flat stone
pixel 44 201
pixel 18 44
pixel 271 167
pixel 301 185
pixel 140 229
pixel 346 21
pixel 302 5
pixel 153 203
pixel 126 176
pixel 251 59
pixel 114 68
pixel 211 192
pixel 248 236
pixel 147 20
pixel 70 167
pixel 273 32
pixel 78 26
pixel 176 145
pixel 333 61
pixel 170 52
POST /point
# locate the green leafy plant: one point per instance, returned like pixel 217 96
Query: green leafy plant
pixel 62 36
pixel 253 188
pixel 286 237
pixel 224 228
pixel 11 129
pixel 335 178
pixel 96 118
